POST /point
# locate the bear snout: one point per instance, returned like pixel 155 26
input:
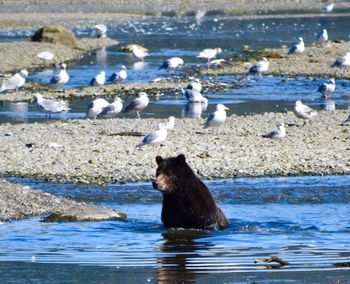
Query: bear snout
pixel 154 183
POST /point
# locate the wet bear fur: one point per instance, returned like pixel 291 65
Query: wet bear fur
pixel 187 201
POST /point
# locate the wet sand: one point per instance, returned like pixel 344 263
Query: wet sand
pixel 88 151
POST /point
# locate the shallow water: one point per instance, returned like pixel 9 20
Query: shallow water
pixel 185 37
pixel 303 220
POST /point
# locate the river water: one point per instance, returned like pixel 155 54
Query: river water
pixel 303 220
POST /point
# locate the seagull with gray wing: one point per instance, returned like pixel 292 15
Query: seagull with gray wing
pixel 15 82
pixel 138 104
pixel 51 106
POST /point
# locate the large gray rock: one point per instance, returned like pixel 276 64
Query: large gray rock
pixel 19 202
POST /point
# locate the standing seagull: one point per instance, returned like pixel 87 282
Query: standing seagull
pixel 96 107
pixel 99 79
pixel 218 117
pixel 346 120
pixel 138 104
pixel 322 37
pixel 155 137
pixel 112 109
pixel 327 88
pixel 119 76
pixel 61 78
pixel 209 53
pixel 101 30
pixel 172 63
pixel 170 123
pixel 278 133
pixel 51 106
pixel 194 96
pixel 303 111
pixel 15 82
pixel 139 52
pixel 47 56
pixel 258 68
pixel 297 48
pixel 327 8
pixel 195 86
pixel 342 62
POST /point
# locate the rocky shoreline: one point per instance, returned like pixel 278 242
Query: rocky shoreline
pixel 90 151
pixel 19 202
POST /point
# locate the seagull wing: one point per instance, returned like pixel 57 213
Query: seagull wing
pixel 112 78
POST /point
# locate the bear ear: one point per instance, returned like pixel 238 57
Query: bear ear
pixel 159 159
pixel 181 158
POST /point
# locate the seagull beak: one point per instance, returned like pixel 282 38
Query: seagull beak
pixel 226 108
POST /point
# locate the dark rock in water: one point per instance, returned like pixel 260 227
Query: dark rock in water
pixel 55 35
pixel 19 202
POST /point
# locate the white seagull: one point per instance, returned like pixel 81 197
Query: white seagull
pixel 209 53
pixel 172 63
pixel 51 106
pixel 218 117
pixel 139 52
pixel 47 56
pixel 155 137
pixel 119 76
pixel 194 96
pixel 101 30
pixel 327 88
pixel 61 78
pixel 278 133
pixel 216 62
pixel 327 8
pixel 15 82
pixel 138 104
pixel 342 62
pixel 112 109
pixel 260 67
pixel 195 86
pixel 170 123
pixel 346 119
pixel 99 79
pixel 322 37
pixel 96 107
pixel 298 47
pixel 303 111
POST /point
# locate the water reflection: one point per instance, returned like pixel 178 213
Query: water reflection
pixel 328 105
pixel 18 111
pixel 178 248
pixel 194 110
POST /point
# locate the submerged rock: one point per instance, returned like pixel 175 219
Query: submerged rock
pixel 19 202
pixel 56 35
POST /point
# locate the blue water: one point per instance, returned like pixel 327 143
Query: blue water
pixel 303 220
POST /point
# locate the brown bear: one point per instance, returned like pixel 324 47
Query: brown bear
pixel 187 202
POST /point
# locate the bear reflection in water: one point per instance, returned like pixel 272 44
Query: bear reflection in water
pixel 187 202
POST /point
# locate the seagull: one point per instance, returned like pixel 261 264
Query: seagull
pixel 298 47
pixel 139 52
pixel 155 137
pixel 119 76
pixel 327 88
pixel 61 78
pixel 303 111
pixel 172 63
pixel 15 82
pixel 195 86
pixel 138 104
pixel 216 62
pixel 170 123
pixel 99 79
pixel 51 106
pixel 47 56
pixel 322 37
pixel 112 109
pixel 101 30
pixel 342 62
pixel 327 8
pixel 96 107
pixel 209 53
pixel 278 133
pixel 194 96
pixel 258 68
pixel 218 117
pixel 346 119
